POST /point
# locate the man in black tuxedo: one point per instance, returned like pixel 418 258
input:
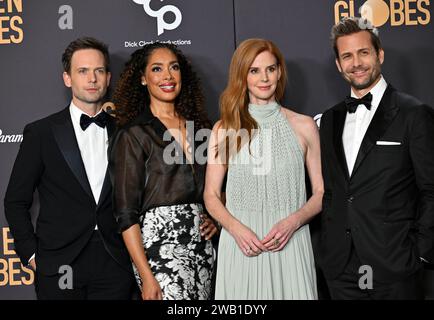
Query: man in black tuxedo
pixel 76 251
pixel 378 165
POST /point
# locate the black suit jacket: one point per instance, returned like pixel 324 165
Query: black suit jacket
pixel 386 207
pixel 49 160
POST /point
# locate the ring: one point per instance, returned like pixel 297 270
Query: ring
pixel 276 242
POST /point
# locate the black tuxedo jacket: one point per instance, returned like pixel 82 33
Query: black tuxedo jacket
pixel 49 160
pixel 386 206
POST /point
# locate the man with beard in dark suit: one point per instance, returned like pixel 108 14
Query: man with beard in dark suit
pixel 378 164
pixel 64 157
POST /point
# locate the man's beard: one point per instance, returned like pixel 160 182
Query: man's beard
pixel 361 86
pixel 372 78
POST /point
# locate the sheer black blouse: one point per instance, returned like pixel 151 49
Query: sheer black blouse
pixel 141 178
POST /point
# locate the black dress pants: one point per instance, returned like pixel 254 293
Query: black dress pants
pixel 93 275
pixel 346 286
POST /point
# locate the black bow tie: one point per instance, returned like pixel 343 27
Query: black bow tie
pixel 101 120
pixel 353 103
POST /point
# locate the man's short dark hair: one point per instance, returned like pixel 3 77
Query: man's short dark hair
pixel 351 25
pixel 84 43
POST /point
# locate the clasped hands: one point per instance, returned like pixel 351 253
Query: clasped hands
pixel 274 241
pixel 207 227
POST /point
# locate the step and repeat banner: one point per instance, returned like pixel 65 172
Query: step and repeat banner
pixel 34 33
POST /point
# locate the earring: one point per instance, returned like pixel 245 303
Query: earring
pixel 143 84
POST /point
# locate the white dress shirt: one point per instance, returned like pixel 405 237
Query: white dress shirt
pixel 92 143
pixel 358 122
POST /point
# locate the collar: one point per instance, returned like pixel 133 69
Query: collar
pixel 146 117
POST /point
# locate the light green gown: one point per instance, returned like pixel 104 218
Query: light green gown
pixel 264 186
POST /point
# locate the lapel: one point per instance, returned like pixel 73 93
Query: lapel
pixel 339 115
pixel 65 137
pixel 386 112
pixel 106 187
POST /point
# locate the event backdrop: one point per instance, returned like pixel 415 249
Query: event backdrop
pixel 33 35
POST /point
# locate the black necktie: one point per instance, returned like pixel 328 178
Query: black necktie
pixel 353 103
pixel 101 120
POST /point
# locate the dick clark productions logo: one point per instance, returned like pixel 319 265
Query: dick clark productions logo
pixel 162 25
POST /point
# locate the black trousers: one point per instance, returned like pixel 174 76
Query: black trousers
pixel 346 286
pixel 94 275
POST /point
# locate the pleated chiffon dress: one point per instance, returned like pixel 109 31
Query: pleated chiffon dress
pixel 264 185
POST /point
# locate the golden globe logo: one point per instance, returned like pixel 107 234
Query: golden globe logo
pixel 11 21
pixel 379 12
pixel 12 272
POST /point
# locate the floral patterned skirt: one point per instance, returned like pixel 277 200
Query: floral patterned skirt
pixel 181 261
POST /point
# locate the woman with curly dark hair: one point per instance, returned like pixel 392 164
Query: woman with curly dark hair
pixel 157 183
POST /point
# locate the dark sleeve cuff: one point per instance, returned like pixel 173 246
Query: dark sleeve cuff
pixel 26 249
pixel 424 260
pixel 127 219
pixel 426 250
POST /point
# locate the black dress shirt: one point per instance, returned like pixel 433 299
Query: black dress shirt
pixel 142 179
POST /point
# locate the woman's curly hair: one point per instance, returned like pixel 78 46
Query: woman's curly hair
pixel 131 97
